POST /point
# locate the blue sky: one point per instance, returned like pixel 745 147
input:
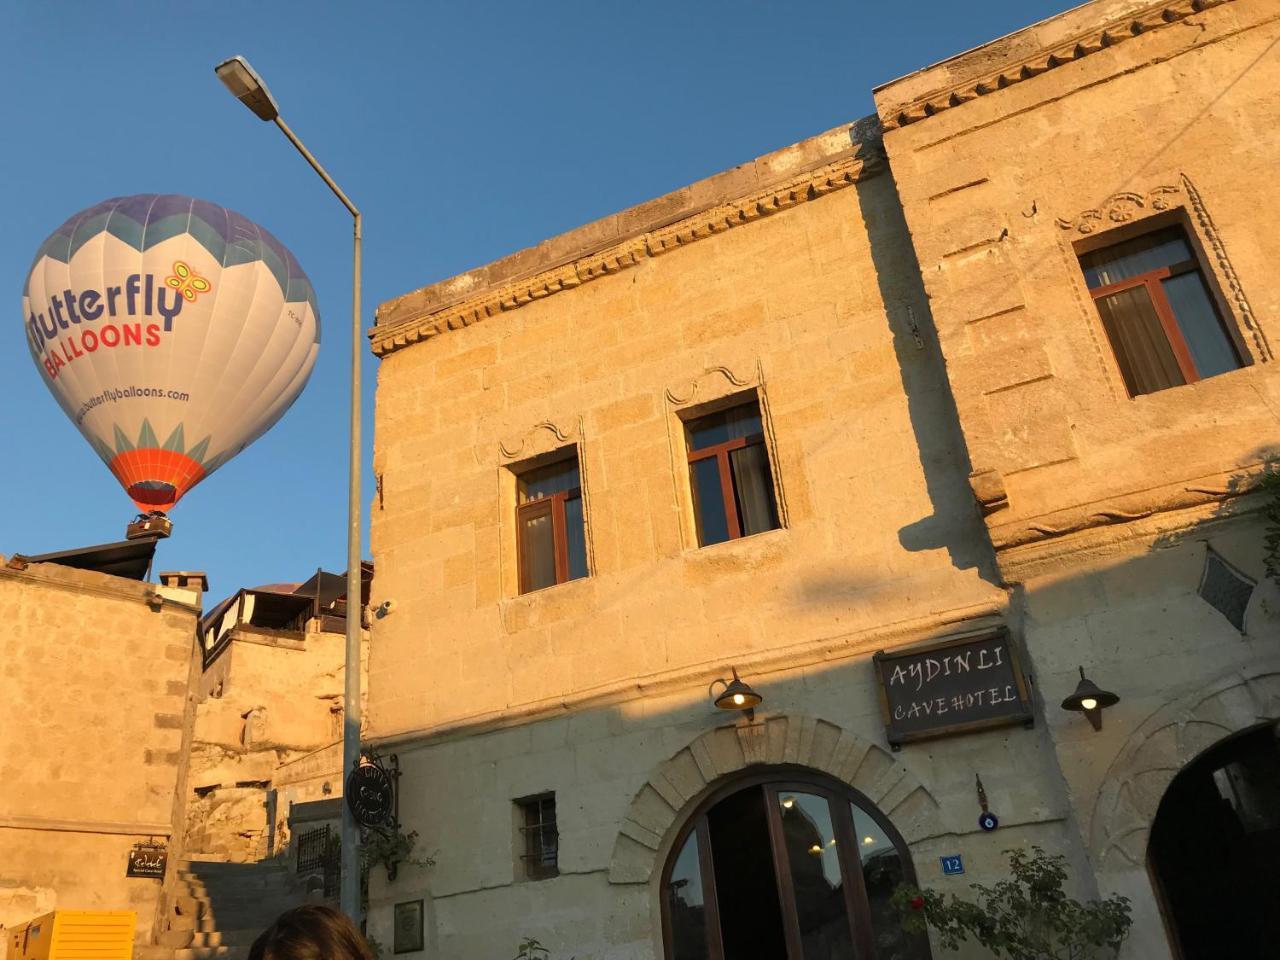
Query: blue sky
pixel 464 131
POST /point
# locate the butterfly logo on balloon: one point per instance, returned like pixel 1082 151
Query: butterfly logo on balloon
pixel 187 282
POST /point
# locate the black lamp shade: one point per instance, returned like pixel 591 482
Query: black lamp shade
pixel 737 695
pixel 1091 700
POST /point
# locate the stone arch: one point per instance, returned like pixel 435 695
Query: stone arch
pixel 1171 738
pixel 676 785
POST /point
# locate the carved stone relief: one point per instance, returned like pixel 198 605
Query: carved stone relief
pixel 542 437
pixel 1121 208
pixel 713 383
pixel 1136 781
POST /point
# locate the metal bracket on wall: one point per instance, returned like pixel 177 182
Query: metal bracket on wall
pixel 915 328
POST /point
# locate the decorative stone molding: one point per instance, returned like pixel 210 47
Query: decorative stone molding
pixel 1120 208
pixel 781 196
pixel 662 805
pixel 712 383
pixel 1151 18
pixel 541 438
pixel 1239 303
pixel 1127 508
pixel 1173 737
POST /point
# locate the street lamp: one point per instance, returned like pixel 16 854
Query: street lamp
pixel 247 87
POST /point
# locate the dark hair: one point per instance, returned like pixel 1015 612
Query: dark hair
pixel 313 931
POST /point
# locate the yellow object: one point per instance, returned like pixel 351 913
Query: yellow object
pixel 74 935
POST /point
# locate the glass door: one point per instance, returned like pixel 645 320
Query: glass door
pixel 787 870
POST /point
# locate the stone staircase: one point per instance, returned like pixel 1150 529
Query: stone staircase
pixel 220 908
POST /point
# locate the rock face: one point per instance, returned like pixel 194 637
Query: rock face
pixel 265 734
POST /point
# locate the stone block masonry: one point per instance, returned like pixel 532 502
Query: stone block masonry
pixel 94 692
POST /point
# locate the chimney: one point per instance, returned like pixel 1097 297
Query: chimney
pixel 193 580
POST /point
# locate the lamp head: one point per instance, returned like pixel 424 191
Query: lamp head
pixel 1091 700
pixel 247 87
pixel 737 695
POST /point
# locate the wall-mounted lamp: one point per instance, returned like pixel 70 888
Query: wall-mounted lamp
pixel 736 695
pixel 1091 700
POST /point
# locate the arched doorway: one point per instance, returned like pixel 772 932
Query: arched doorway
pixel 1214 852
pixel 786 865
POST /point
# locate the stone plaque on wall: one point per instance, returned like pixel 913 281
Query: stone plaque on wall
pixel 953 686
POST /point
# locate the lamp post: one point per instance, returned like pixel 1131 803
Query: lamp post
pixel 248 88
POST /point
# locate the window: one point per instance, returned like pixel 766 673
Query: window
pixel 1158 313
pixel 797 865
pixel 549 531
pixel 729 475
pixel 540 840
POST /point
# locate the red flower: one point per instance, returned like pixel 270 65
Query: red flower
pixel 917 903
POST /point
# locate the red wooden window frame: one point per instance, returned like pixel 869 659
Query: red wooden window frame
pixel 839 796
pixel 559 538
pixel 721 452
pixel 1151 281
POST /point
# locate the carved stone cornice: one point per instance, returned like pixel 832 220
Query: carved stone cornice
pixel 788 193
pixel 1150 18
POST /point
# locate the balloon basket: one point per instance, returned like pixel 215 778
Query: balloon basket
pixel 148 526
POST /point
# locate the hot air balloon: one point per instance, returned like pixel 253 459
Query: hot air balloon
pixel 173 332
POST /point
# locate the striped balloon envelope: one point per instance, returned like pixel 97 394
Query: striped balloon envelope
pixel 173 332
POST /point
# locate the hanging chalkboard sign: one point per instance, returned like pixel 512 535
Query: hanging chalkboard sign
pixel 955 686
pixel 147 860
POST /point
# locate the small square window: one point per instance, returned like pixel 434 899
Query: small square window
pixel 729 475
pixel 539 837
pixel 550 535
pixel 1164 327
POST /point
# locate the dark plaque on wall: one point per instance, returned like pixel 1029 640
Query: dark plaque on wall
pixel 371 793
pixel 147 860
pixel 954 686
pixel 407 935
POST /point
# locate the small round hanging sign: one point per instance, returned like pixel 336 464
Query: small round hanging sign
pixel 988 821
pixel 370 794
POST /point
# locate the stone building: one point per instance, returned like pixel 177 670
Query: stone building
pixel 97 665
pixel 986 375
pixel 268 719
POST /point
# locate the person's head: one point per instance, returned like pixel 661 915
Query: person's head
pixel 311 932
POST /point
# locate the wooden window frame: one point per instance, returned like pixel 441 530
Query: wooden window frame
pixel 555 504
pixel 534 868
pixel 774 782
pixel 1152 282
pixel 721 452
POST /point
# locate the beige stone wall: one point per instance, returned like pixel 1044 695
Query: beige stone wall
pixel 1172 120
pixel 94 688
pixel 1010 161
pixel 879 528
pixel 590 687
pixel 607 764
pixel 1134 619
